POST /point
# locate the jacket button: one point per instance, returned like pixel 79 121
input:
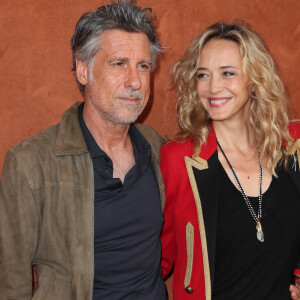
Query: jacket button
pixel 189 290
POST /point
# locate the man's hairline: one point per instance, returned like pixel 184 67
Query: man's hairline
pixel 90 64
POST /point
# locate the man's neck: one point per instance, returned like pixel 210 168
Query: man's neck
pixel 113 139
pixel 106 134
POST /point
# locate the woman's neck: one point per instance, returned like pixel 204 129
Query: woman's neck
pixel 234 135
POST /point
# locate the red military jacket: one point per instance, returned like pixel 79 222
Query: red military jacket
pixel 189 232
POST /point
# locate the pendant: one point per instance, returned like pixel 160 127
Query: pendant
pixel 259 232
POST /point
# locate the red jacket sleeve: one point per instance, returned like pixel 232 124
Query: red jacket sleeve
pixel 295 133
pixel 168 234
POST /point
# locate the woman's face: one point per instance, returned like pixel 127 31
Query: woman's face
pixel 222 85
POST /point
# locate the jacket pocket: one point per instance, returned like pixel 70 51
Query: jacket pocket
pixel 189 229
pixel 52 285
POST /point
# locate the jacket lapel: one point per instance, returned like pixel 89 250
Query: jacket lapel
pixel 208 187
pixel 69 127
pixel 294 165
pixel 203 175
pixel 155 141
pixel 193 166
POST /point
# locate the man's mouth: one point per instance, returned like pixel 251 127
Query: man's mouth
pixel 131 96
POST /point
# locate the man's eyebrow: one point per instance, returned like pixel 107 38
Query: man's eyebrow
pixel 120 58
pixel 124 58
pixel 146 61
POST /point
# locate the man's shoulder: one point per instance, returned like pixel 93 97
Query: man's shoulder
pixel 44 142
pixel 37 144
pixel 149 133
pixel 153 138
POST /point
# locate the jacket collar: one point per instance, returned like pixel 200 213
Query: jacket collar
pixel 70 139
pixel 210 146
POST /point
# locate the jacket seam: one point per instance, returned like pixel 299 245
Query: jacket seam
pixel 53 184
pixel 92 230
pixel 30 187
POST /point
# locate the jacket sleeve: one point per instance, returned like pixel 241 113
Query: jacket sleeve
pixel 18 231
pixel 168 239
pixel 295 133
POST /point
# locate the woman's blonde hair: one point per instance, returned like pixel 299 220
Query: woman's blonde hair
pixel 269 103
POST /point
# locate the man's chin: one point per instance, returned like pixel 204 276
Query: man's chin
pixel 123 117
pixel 125 120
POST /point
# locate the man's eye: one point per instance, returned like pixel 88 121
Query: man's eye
pixel 144 66
pixel 118 64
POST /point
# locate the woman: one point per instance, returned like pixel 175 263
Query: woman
pixel 232 225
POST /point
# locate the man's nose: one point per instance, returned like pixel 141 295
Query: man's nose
pixel 133 79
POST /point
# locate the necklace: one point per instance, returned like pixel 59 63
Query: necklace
pixel 257 218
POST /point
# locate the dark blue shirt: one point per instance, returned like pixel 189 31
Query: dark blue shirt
pixel 128 221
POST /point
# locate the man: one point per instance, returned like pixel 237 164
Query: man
pixel 80 201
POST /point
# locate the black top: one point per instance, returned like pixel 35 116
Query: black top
pixel 245 267
pixel 128 221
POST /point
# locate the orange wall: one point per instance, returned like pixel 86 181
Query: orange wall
pixel 36 84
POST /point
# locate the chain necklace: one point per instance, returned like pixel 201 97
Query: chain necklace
pixel 257 218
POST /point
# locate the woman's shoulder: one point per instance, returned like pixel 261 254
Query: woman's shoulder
pixel 294 129
pixel 178 147
pixel 173 153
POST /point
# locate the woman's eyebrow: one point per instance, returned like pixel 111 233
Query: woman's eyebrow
pixel 228 67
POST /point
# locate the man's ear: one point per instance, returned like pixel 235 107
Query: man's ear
pixel 81 71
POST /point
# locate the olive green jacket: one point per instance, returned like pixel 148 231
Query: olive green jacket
pixel 47 211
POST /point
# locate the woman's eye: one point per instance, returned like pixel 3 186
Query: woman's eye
pixel 227 73
pixel 201 75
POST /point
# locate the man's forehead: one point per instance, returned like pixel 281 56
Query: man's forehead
pixel 116 42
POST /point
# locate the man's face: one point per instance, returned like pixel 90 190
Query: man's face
pixel 118 82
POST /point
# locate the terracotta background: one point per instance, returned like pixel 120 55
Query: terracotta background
pixel 36 82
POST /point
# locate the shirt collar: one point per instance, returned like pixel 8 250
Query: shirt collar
pixel 140 146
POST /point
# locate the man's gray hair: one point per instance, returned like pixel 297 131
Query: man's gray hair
pixel 122 15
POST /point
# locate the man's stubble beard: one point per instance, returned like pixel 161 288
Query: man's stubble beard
pixel 111 114
pixel 116 117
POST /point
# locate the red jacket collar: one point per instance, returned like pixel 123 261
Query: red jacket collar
pixel 210 146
